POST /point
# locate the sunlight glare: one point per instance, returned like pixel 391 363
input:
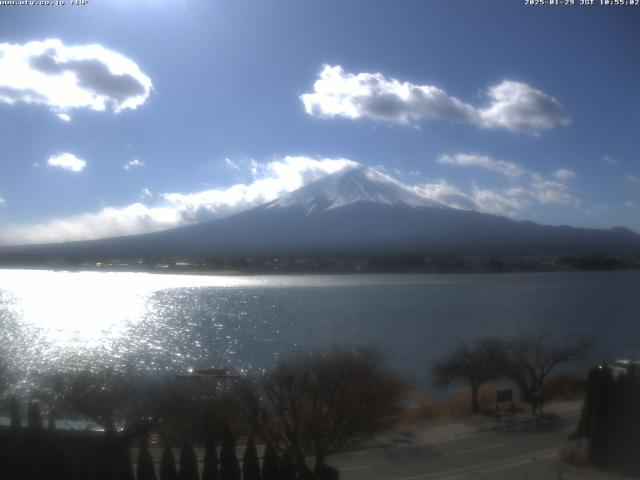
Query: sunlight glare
pixel 90 307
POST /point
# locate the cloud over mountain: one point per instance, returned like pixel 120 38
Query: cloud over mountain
pixel 530 186
pixel 510 105
pixel 483 161
pixel 269 181
pixel 506 202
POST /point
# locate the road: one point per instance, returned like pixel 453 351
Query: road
pixel 485 454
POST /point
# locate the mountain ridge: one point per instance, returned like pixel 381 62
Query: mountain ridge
pixel 354 211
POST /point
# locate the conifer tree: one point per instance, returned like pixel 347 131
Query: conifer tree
pixel 51 419
pixel 16 422
pixel 121 466
pixel 146 469
pixel 168 465
pixel 287 471
pixel 250 462
pixel 210 470
pixel 188 463
pixel 34 418
pixel 270 469
pixel 229 466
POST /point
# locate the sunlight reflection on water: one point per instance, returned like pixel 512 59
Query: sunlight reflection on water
pixel 55 320
pixel 91 306
pixel 51 321
pixel 58 320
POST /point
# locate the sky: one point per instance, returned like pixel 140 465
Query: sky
pixel 120 117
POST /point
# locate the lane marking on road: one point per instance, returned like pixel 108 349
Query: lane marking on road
pixel 464 436
pixel 516 464
pixel 359 467
pixel 479 449
pixel 526 458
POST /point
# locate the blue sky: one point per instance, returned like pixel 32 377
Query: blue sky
pixel 119 117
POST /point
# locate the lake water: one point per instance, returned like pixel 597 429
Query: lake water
pixel 57 320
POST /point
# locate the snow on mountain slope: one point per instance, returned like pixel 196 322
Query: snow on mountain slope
pixel 352 185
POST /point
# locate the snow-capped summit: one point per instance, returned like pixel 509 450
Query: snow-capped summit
pixel 352 185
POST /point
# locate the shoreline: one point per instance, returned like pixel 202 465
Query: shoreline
pixel 294 272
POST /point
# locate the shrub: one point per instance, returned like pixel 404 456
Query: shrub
pixel 250 462
pixel 168 465
pixel 188 463
pixel 210 469
pixel 229 466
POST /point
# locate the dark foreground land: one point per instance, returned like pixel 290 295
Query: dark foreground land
pixel 518 446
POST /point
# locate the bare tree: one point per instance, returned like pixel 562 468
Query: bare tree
pixel 97 395
pixel 531 359
pixel 476 364
pixel 160 402
pixel 320 404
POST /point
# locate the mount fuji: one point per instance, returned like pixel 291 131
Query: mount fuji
pixel 353 185
pixel 354 211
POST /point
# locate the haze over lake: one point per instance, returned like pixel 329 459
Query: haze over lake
pixel 59 320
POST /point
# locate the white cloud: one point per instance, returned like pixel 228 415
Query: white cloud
pixel 498 202
pixel 273 179
pixel 465 159
pixel 372 95
pixel 543 190
pixel 445 193
pixel 110 221
pixel 610 160
pixel 64 117
pixel 67 161
pixel 2 201
pixel 511 105
pixel 632 180
pixel 549 191
pixel 254 167
pixel 564 174
pixel 598 209
pixel 631 204
pixel 145 193
pixel 519 107
pixel 231 164
pixel 270 181
pixel 135 163
pixel 517 192
pixel 68 77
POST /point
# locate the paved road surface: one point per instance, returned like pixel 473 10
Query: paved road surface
pixel 485 454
